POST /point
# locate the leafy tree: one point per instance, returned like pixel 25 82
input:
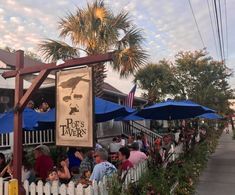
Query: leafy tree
pixel 157 80
pixel 29 54
pixel 203 79
pixel 32 55
pixel 94 30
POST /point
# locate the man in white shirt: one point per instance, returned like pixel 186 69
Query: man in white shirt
pixel 114 146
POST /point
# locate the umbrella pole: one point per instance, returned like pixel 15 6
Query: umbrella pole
pixel 184 134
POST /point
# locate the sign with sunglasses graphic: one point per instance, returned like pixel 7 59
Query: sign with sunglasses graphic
pixel 74 108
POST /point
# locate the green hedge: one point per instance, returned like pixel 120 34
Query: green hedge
pixel 185 170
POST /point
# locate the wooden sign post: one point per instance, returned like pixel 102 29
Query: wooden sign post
pixel 21 99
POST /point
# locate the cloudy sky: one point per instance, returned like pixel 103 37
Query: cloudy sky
pixel 168 26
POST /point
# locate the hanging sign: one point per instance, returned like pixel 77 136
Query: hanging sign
pixel 74 108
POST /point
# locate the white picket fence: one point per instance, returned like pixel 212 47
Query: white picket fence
pixel 101 188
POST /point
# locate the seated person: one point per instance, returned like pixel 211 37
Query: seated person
pixel 85 178
pixel 123 140
pixel 30 104
pixel 44 107
pixel 3 164
pixel 114 146
pixel 140 142
pixel 75 174
pixel 27 172
pixel 136 156
pixel 102 167
pixel 157 144
pixel 52 176
pixel 63 169
pixel 43 162
pixel 166 144
pixel 130 140
pixel 145 147
pixel 177 137
pixel 88 162
pixel 8 170
pixel 75 157
pixel 123 155
pixel 98 146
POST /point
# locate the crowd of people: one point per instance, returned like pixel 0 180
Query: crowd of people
pixel 187 136
pixel 80 165
pixel 84 165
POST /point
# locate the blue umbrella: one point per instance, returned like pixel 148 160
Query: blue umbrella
pixel 173 110
pixel 106 110
pixel 130 117
pixel 210 116
pixel 204 107
pixel 30 118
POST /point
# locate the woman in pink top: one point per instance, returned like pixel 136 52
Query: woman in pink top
pixel 136 156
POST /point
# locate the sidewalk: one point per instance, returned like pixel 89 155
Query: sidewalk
pixel 219 176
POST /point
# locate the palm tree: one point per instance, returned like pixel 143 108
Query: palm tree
pixel 157 80
pixel 95 30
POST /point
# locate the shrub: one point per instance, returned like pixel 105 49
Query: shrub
pixel 186 169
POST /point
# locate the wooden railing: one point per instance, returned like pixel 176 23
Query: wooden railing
pixel 39 137
pixel 134 128
pixel 5 140
pixel 30 138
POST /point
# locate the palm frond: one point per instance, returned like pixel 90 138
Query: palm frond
pixel 75 27
pixel 129 60
pixel 121 21
pixel 53 50
pixel 133 38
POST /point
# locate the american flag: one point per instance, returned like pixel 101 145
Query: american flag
pixel 130 98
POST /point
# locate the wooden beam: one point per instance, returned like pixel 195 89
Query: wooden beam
pixel 17 146
pixel 34 86
pixel 88 60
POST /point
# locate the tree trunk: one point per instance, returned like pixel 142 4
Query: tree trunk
pixel 99 76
